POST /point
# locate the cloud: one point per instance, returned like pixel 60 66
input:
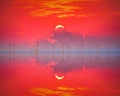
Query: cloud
pixel 65 88
pixel 58 8
pixel 68 8
pixel 65 15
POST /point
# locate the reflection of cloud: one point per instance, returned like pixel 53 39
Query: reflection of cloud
pixel 60 8
pixel 46 92
pixel 59 91
pixel 72 91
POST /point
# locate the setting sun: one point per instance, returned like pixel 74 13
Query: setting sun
pixel 59 26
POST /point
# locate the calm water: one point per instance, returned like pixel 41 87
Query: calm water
pixel 69 74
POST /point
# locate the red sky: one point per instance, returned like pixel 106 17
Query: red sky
pixel 32 19
pixel 28 20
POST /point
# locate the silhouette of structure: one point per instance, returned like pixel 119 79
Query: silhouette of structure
pixel 67 42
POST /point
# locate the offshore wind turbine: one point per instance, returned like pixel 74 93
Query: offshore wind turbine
pixel 10 51
pixel 35 47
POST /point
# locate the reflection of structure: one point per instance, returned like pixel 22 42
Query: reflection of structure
pixel 71 62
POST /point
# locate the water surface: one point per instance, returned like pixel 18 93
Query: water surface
pixel 57 74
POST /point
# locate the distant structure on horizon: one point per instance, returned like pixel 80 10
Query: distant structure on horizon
pixel 67 42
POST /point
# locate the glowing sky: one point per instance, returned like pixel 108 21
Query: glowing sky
pixel 28 20
pixel 31 19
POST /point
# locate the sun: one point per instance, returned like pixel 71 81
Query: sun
pixel 59 26
pixel 59 77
